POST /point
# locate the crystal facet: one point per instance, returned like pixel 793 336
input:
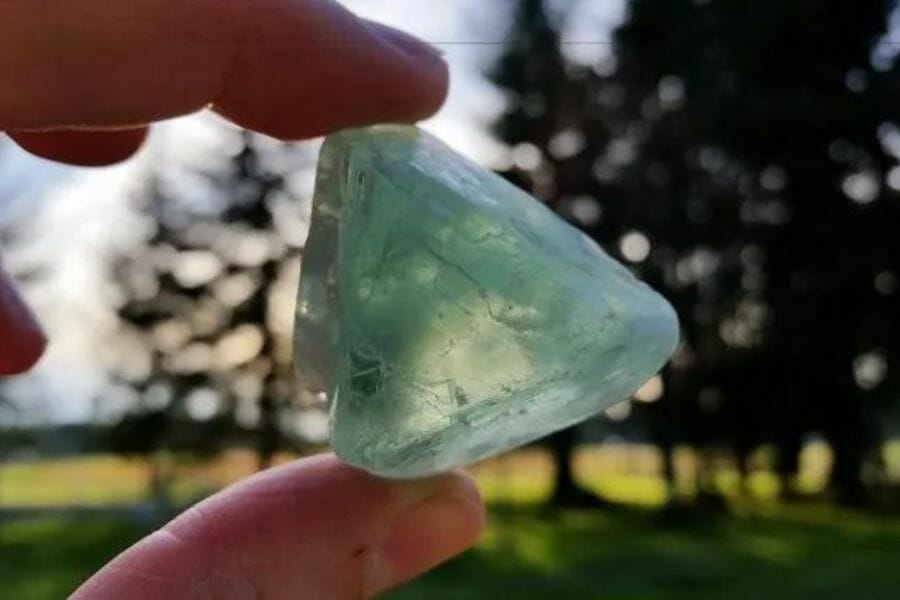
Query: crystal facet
pixel 449 316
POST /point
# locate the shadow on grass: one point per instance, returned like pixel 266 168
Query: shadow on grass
pixel 802 553
pixel 48 557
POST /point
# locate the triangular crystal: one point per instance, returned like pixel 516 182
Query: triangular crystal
pixel 449 316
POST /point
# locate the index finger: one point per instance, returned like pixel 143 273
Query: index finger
pixel 288 68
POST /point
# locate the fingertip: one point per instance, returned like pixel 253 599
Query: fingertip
pixel 428 90
pixel 22 341
pixel 456 483
pixel 429 532
pixel 356 73
pixel 85 148
pixel 25 353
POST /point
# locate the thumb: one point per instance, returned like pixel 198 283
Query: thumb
pixel 21 340
pixel 312 529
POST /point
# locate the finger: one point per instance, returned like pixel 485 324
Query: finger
pixel 289 68
pixel 86 148
pixel 21 339
pixel 312 529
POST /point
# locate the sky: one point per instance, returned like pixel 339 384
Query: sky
pixel 73 216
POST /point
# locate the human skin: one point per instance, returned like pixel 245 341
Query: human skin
pixel 80 82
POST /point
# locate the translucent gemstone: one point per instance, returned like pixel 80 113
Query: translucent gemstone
pixel 449 316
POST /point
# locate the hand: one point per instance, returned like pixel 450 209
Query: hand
pixel 80 81
pixel 311 529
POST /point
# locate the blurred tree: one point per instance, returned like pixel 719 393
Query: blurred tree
pixel 743 158
pixel 204 353
pixel 545 95
pixel 775 125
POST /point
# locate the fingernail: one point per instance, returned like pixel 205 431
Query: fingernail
pixel 409 44
pixel 21 339
pixel 429 531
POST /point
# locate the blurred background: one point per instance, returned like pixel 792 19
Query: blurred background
pixel 743 157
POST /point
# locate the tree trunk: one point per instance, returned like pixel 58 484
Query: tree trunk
pixel 845 429
pixel 267 441
pixel 562 447
pixel 848 445
pixel 668 469
pixel 159 482
pixel 566 492
pixel 788 462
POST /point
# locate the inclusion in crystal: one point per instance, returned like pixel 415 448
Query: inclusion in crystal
pixel 449 316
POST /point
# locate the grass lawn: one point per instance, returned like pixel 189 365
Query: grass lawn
pixel 46 558
pixel 763 549
pixel 815 553
pixel 629 474
pixel 789 552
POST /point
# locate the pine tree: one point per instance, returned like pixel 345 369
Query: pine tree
pixel 545 96
pixel 198 304
pixel 780 151
pixel 742 158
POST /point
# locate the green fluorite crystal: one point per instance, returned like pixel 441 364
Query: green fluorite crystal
pixel 449 316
